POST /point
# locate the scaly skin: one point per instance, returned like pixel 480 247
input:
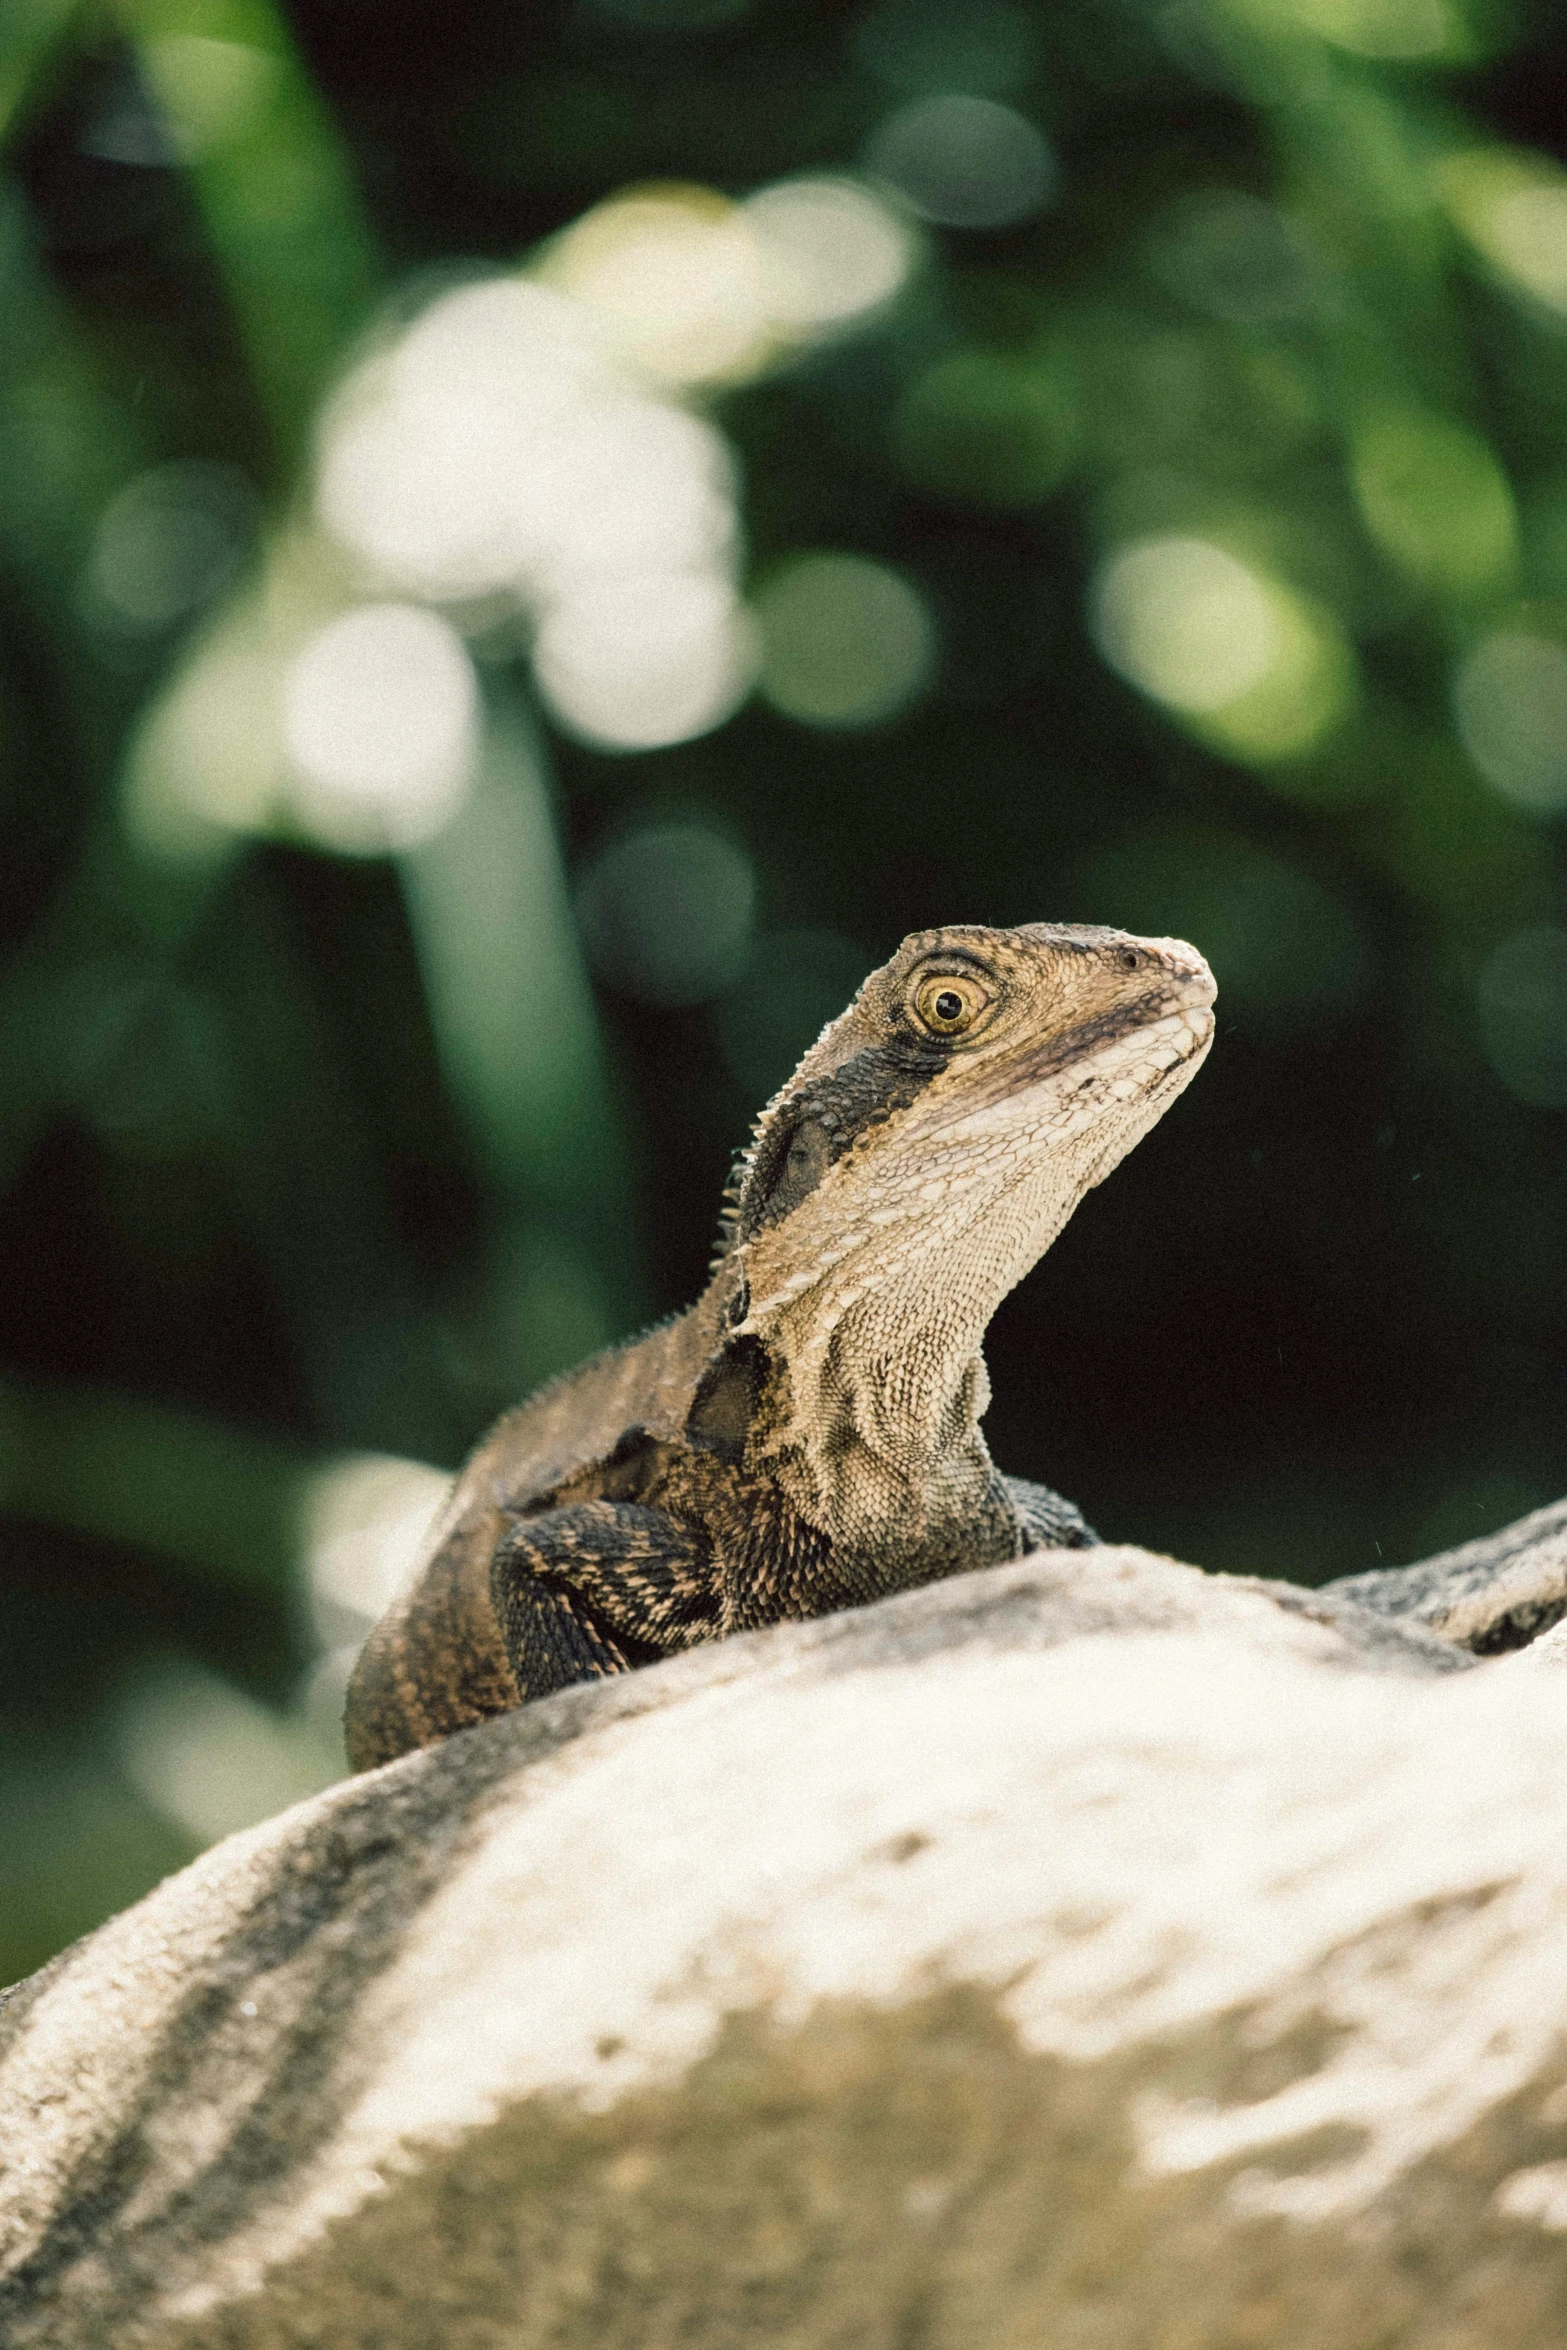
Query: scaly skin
pixel 806 1437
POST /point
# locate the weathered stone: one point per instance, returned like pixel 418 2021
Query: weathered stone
pixel 1090 1952
pixel 1498 1593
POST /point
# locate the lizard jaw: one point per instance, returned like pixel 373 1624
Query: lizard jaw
pixel 1147 1064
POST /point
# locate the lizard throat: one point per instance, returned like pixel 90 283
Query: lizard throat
pixel 872 1299
pixel 871 1420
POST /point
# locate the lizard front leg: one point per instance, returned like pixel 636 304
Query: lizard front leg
pixel 598 1587
pixel 1049 1521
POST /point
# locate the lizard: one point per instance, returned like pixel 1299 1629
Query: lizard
pixel 806 1437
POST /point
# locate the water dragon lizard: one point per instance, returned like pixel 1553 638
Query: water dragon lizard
pixel 807 1436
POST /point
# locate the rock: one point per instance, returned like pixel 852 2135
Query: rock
pixel 1489 1596
pixel 1091 1952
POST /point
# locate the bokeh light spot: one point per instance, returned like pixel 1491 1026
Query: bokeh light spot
pixel 525 342
pixel 1235 257
pixel 208 1757
pixel 168 541
pixel 629 486
pixel 363 1524
pixel 666 913
pixel 846 642
pixel 1510 702
pixel 989 426
pixel 1379 28
pixel 380 721
pixel 1260 672
pixel 831 251
pixel 1521 994
pixel 207 763
pixel 1185 621
pixel 675 280
pixel 633 664
pixel 964 162
pixel 497 449
pixel 1435 499
pixel 1528 234
pixel 1513 209
pixel 429 457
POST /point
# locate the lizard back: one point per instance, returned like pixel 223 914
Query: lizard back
pixel 437 1661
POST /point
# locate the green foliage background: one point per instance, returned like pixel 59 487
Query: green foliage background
pixel 263 1206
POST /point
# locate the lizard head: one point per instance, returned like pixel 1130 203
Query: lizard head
pixel 936 1138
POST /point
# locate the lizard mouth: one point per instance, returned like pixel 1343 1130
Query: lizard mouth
pixel 1190 1032
pixel 1143 1052
pixel 1142 1060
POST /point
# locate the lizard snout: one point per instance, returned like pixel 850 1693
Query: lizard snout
pixel 1194 983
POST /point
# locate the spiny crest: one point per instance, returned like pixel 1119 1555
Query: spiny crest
pixel 739 1175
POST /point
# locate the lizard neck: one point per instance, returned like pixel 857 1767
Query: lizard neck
pixel 871 1429
pixel 867 1413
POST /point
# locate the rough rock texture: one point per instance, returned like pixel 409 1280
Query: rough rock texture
pixel 1498 1593
pixel 1090 1952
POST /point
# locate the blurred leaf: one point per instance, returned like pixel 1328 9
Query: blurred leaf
pixel 1435 498
pixel 287 227
pixel 29 30
pixel 133 1473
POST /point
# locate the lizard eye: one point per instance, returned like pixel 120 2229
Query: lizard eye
pixel 947 1003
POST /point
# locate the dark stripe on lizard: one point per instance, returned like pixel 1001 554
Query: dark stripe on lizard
pixel 825 1120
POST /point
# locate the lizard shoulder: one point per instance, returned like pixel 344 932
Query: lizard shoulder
pixel 438 1658
pixel 584 1422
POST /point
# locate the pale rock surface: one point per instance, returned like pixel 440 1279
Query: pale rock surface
pixel 1090 1953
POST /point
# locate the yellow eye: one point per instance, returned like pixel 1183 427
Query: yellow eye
pixel 948 1004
